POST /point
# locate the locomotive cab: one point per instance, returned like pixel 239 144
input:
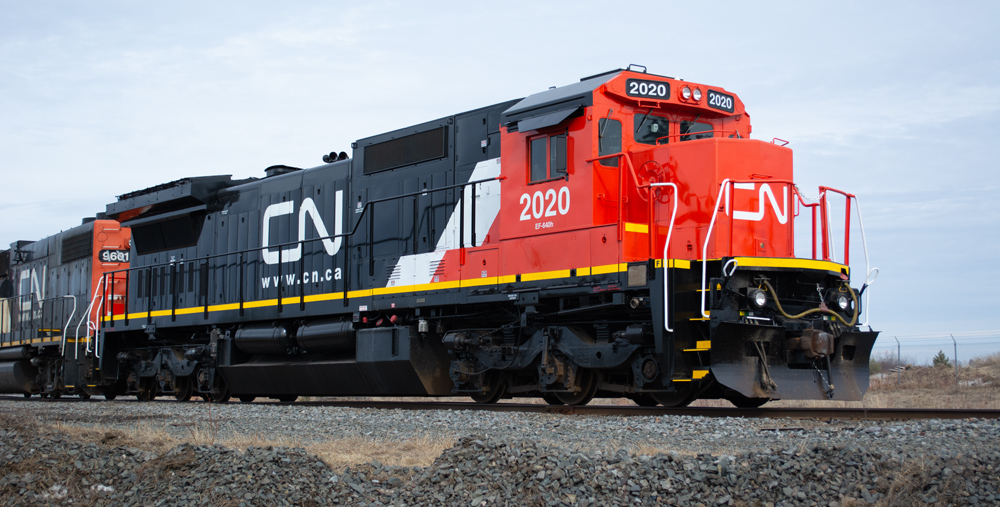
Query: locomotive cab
pixel 653 170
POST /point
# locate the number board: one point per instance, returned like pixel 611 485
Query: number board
pixel 719 100
pixel 647 89
pixel 113 255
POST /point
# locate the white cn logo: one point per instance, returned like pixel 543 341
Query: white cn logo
pixel 765 190
pixel 308 209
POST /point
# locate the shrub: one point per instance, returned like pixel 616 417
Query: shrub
pixel 941 360
pixel 874 368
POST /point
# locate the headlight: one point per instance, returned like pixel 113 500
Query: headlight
pixel 697 94
pixel 843 302
pixel 686 93
pixel 757 298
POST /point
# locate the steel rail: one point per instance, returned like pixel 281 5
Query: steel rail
pixel 870 414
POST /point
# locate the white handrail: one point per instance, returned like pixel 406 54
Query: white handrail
pixel 62 347
pixel 708 236
pixel 86 319
pixel 868 269
pixel 666 247
pixel 829 230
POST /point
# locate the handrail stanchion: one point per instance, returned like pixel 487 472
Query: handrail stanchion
pixel 104 301
pixel 206 282
pixel 371 240
pixel 461 218
pixel 472 222
pixel 149 295
pixel 278 285
pixel 111 304
pixel 708 237
pixel 173 292
pixel 666 255
pixel 847 231
pixel 127 271
pixel 302 283
pixel 76 345
pixel 242 282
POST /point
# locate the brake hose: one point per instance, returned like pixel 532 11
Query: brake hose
pixel 777 303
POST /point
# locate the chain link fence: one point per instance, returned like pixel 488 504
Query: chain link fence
pixel 894 352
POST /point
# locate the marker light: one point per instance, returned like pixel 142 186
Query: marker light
pixel 697 94
pixel 686 93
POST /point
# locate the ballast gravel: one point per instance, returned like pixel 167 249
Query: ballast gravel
pixel 499 458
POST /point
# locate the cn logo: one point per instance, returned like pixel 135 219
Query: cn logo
pixel 309 210
pixel 29 286
pixel 765 190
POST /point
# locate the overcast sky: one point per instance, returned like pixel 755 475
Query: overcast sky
pixel 893 101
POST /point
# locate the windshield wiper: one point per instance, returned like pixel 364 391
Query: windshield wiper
pixel 606 121
pixel 643 122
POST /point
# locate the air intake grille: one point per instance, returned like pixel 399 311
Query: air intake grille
pixel 77 246
pixel 412 149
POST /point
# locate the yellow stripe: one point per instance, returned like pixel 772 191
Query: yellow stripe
pixel 471 282
pixel 772 262
pixel 679 264
pixel 700 346
pixel 697 374
pixel 476 282
pixel 640 228
pixel 603 270
pixel 333 296
pixel 545 275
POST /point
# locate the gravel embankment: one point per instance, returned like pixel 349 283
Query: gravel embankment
pixel 498 459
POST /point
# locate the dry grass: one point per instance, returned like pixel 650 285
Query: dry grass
pixel 419 451
pixel 336 452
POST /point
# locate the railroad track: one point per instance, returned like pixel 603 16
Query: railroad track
pixel 877 414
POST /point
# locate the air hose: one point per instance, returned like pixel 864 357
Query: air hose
pixel 854 297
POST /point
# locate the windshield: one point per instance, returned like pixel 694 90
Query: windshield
pixel 693 128
pixel 649 128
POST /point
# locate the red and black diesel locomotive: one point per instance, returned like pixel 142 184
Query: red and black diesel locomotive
pixel 620 236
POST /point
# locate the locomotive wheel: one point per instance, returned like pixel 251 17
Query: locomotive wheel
pixel 84 395
pixel 551 399
pixel 220 394
pixel 247 399
pixel 147 389
pixel 587 383
pixel 498 388
pixel 56 395
pixel 110 396
pixel 27 395
pixel 183 389
pixel 675 399
pixel 644 400
pixel 287 399
pixel 743 402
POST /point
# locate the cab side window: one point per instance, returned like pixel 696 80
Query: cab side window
pixel 609 140
pixel 548 157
